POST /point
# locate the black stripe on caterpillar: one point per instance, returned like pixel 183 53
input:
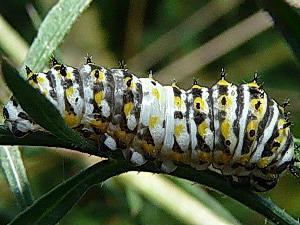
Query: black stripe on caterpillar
pixel 235 130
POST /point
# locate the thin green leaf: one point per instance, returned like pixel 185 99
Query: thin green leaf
pixel 286 19
pixel 14 170
pixel 52 206
pixel 134 200
pixel 52 31
pixel 12 43
pixel 172 199
pixel 42 111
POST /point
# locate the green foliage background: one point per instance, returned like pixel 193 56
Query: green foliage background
pixel 111 30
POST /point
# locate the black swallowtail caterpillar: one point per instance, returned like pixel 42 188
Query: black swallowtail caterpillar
pixel 236 130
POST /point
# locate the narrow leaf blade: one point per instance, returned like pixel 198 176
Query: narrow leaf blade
pixel 52 31
pixel 14 170
pixel 52 206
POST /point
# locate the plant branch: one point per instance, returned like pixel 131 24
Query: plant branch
pixel 109 168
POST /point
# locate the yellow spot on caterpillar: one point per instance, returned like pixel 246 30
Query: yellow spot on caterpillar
pixel 225 129
pixel 179 129
pixel 202 127
pixel 101 76
pixel 177 101
pixel 196 86
pixel 282 133
pixel 132 83
pixel 225 101
pixel 40 79
pixel 223 82
pixel 281 122
pixel 253 84
pixel 70 75
pixel 98 74
pixel 126 79
pixel 258 105
pixel 251 129
pixel 69 91
pixel 128 108
pixel 263 162
pixel 244 159
pixel 71 119
pixel 132 86
pixel 99 97
pixel 32 83
pixel 153 121
pixel 156 93
pixel 285 131
pixel 99 124
pixel 199 103
pixel 45 92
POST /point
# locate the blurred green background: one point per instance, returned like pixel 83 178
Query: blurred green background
pixel 174 39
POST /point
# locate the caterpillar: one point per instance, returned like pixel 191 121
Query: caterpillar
pixel 234 130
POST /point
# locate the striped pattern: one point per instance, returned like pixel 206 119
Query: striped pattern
pixel 235 130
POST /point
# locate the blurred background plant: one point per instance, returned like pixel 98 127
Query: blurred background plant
pixel 174 39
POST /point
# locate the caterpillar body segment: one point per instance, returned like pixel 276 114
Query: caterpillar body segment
pixel 235 130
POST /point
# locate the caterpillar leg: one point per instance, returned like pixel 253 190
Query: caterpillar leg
pixel 168 166
pixel 137 158
pixel 107 143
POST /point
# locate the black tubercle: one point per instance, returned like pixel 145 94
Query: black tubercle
pixel 63 70
pixel 28 70
pixel 97 73
pixel 150 75
pixel 287 116
pixel 122 65
pixel 223 74
pixel 286 103
pixel 88 59
pixel 54 61
pixel 34 78
pixel 287 124
pixel 256 77
pixel 195 81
